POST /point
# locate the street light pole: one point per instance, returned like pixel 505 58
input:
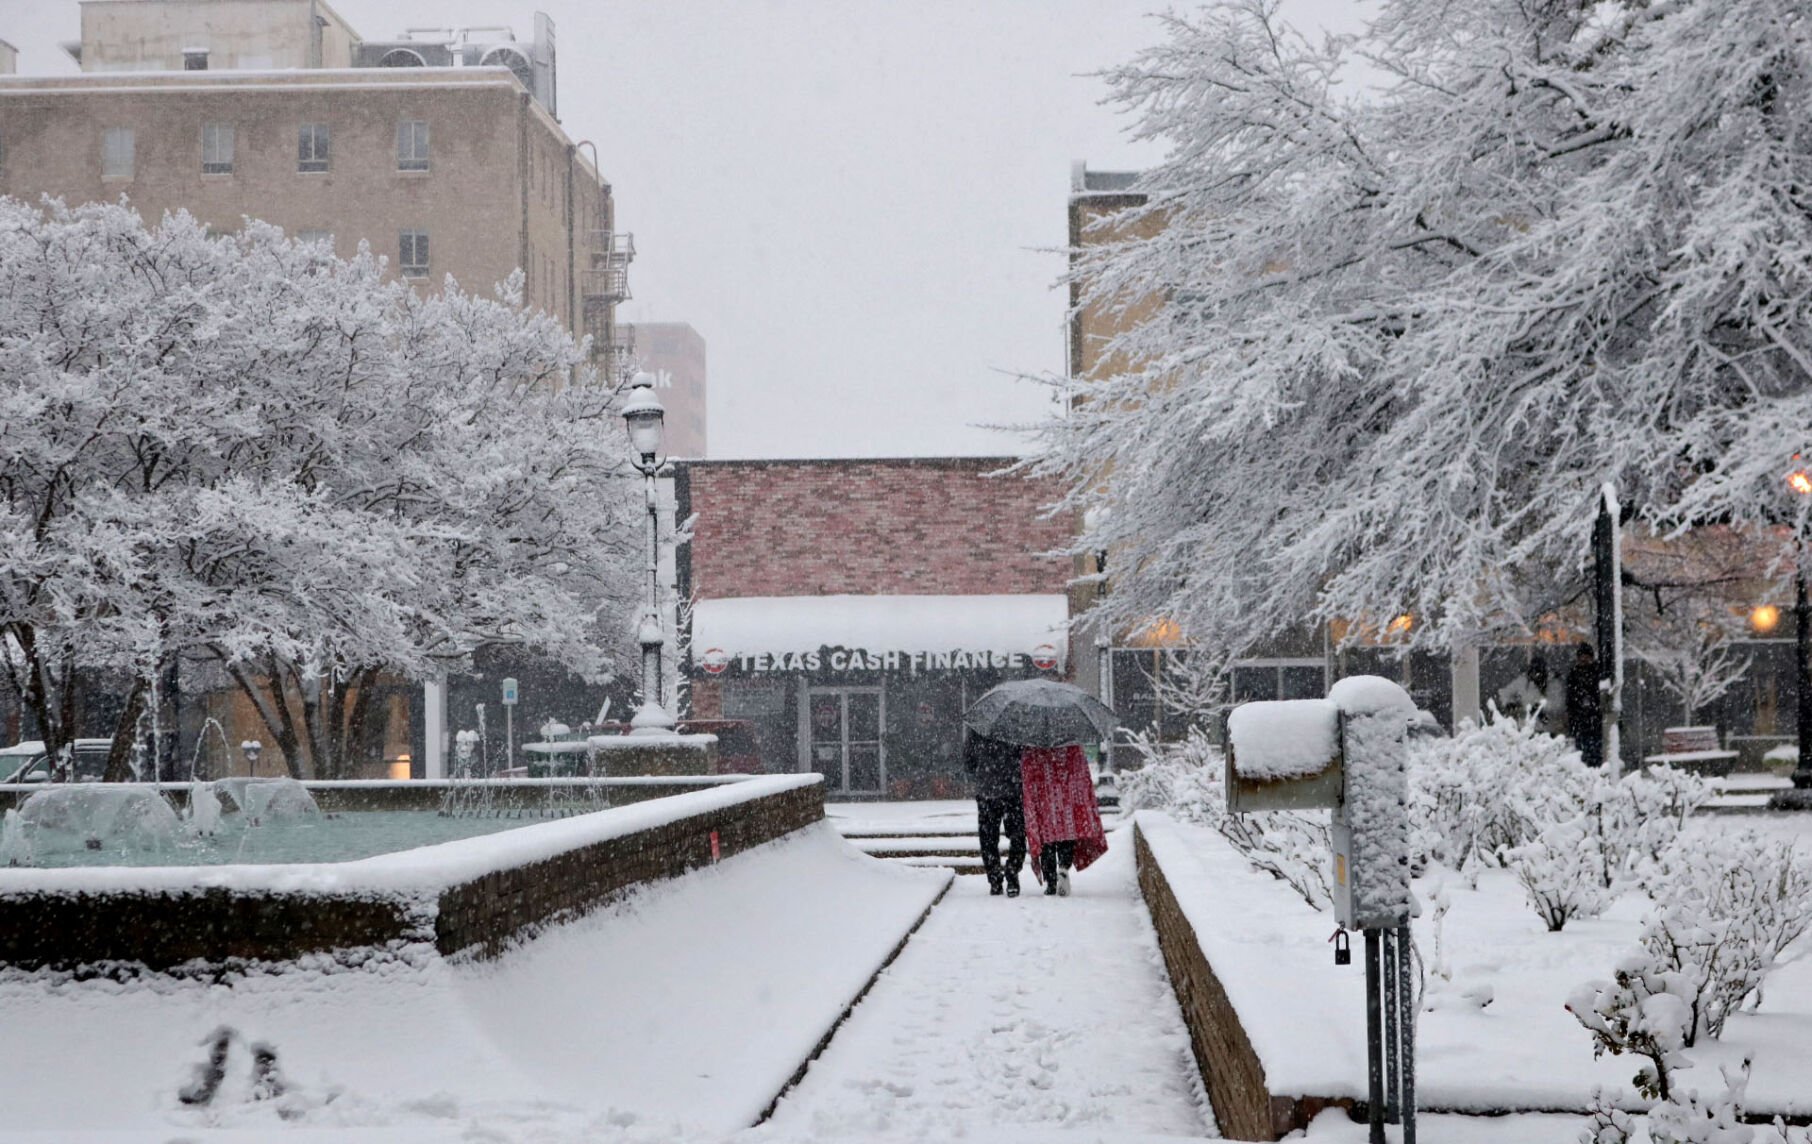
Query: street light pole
pixel 1800 797
pixel 1802 671
pixel 644 415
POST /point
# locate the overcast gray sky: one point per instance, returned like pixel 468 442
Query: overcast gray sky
pixel 847 198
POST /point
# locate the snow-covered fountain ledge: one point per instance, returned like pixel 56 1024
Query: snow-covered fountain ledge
pixel 474 896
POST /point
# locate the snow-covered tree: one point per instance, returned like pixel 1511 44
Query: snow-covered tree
pixel 244 448
pixel 1376 356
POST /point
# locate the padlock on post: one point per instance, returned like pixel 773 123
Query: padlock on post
pixel 1343 952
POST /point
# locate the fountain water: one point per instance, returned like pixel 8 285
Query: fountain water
pixel 226 754
pixel 204 809
pixel 15 848
pixel 94 816
pixel 269 798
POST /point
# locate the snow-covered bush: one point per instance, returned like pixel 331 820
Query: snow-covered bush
pixel 1725 908
pixel 1687 1118
pixel 1502 792
pixel 1641 1012
pixel 1562 874
pixel 1188 780
pixel 1494 786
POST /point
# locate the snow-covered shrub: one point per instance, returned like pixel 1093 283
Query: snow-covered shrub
pixel 1187 779
pixel 1633 819
pixel 1687 1118
pixel 1608 1124
pixel 1657 802
pixel 1642 1013
pixel 1492 787
pixel 1562 873
pixel 1725 908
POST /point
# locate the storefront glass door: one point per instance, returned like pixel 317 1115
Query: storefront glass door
pixel 846 739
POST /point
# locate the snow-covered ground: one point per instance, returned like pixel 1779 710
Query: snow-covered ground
pixel 677 1014
pixel 1521 1049
pixel 1006 1017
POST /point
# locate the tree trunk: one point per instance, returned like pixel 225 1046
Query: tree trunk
pixel 273 714
pixel 125 735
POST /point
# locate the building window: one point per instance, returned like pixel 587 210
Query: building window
pixel 412 145
pixel 194 59
pixel 312 147
pixel 117 153
pixel 217 149
pixel 414 253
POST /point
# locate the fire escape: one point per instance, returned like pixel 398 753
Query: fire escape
pixel 606 284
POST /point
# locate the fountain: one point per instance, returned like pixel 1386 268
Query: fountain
pixel 201 739
pixel 204 810
pixel 15 848
pixel 87 815
pixel 269 798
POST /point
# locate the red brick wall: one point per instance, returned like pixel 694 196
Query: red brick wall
pixel 931 526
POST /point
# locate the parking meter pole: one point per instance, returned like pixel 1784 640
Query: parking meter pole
pixel 1407 1078
pixel 1392 1018
pixel 509 736
pixel 1374 1037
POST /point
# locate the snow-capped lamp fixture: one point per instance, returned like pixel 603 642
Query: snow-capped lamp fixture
pixel 251 749
pixel 643 415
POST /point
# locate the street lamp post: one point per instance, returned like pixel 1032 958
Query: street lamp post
pixel 1800 797
pixel 1800 481
pixel 643 414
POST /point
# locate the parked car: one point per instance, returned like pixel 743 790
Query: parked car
pixel 90 761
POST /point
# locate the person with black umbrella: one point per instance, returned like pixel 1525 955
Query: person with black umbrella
pixel 993 766
pixel 1049 720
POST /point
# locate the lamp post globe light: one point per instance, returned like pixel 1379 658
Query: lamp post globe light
pixel 644 415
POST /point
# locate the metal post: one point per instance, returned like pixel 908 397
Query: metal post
pixel 654 584
pixel 1406 1055
pixel 1393 1061
pixel 1374 1036
pixel 1802 667
pixel 509 736
pixel 1607 601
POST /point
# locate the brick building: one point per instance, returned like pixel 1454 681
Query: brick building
pixel 852 609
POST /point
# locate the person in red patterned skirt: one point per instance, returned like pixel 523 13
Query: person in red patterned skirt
pixel 1063 822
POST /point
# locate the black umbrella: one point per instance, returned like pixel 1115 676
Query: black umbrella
pixel 1040 713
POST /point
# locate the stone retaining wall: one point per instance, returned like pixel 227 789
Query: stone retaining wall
pixel 484 916
pixel 1244 1106
pixel 167 925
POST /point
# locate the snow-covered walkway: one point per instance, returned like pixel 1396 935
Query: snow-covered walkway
pixel 1023 1019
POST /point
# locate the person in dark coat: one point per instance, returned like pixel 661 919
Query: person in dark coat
pixel 1584 725
pixel 994 768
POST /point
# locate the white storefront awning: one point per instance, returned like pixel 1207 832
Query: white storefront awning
pixel 960 631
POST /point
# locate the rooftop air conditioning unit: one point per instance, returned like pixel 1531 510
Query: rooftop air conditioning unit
pixel 532 62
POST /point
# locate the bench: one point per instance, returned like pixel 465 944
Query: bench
pixel 1693 749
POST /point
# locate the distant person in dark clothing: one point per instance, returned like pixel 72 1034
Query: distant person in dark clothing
pixel 1584 725
pixel 994 767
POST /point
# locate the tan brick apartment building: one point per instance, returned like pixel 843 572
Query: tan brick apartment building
pixel 852 609
pixel 442 170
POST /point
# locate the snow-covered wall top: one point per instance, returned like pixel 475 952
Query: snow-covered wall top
pixel 423 871
pixel 1283 739
pixel 795 625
